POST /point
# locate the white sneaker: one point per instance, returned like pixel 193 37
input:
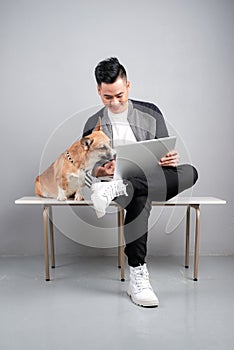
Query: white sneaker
pixel 104 193
pixel 140 289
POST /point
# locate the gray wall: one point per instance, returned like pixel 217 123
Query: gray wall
pixel 179 54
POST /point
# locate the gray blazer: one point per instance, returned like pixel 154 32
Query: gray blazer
pixel 145 119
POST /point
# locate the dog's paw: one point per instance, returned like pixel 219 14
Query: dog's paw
pixel 78 197
pixel 61 194
pixel 61 198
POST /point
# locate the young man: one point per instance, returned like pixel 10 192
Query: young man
pixel 125 120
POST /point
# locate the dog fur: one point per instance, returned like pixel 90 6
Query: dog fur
pixel 66 176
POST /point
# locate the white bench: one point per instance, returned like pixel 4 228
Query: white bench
pixel 188 202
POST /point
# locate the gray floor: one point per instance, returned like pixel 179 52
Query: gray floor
pixel 85 306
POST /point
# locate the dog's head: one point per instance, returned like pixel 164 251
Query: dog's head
pixel 97 147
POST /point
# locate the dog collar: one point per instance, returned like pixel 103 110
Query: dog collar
pixel 69 157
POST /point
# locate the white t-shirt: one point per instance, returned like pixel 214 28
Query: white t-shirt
pixel 122 132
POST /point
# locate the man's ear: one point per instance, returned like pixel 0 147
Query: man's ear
pixel 98 127
pixel 99 90
pixel 86 142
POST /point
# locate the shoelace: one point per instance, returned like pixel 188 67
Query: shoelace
pixel 142 279
pixel 113 191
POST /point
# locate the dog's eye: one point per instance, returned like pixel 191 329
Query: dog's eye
pixel 103 148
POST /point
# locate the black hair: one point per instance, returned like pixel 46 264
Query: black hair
pixel 109 70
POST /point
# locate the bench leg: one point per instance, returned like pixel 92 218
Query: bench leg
pixel 197 239
pixel 51 237
pixel 121 242
pixel 46 249
pixel 187 237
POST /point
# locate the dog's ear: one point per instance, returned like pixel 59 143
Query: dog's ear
pixel 98 127
pixel 86 142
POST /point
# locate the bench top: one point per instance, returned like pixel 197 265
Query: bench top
pixel 33 200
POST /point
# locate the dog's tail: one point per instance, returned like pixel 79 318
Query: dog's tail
pixel 38 187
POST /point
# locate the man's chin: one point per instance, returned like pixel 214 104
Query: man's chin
pixel 118 109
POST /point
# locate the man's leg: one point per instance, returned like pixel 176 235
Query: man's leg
pixel 160 186
pixel 178 179
pixel 136 230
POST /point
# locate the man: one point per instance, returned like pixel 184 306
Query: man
pixel 124 121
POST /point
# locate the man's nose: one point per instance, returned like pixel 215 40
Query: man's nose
pixel 115 100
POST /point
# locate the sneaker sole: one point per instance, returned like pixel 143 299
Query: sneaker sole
pixel 146 304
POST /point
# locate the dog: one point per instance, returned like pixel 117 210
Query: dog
pixel 66 176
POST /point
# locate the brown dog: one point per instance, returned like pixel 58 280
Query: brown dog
pixel 66 176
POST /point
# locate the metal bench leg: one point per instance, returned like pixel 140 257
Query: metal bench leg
pixel 51 237
pixel 46 251
pixel 187 237
pixel 197 239
pixel 121 242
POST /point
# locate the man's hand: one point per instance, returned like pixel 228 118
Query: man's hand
pixel 106 170
pixel 170 159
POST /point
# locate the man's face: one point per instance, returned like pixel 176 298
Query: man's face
pixel 115 96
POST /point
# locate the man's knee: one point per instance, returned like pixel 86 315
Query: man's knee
pixel 195 174
pixel 187 176
pixel 192 173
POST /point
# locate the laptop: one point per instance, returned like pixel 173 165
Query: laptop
pixel 142 157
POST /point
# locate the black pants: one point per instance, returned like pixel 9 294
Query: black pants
pixel 160 185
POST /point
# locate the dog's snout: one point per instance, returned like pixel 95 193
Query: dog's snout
pixel 109 155
pixel 113 153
